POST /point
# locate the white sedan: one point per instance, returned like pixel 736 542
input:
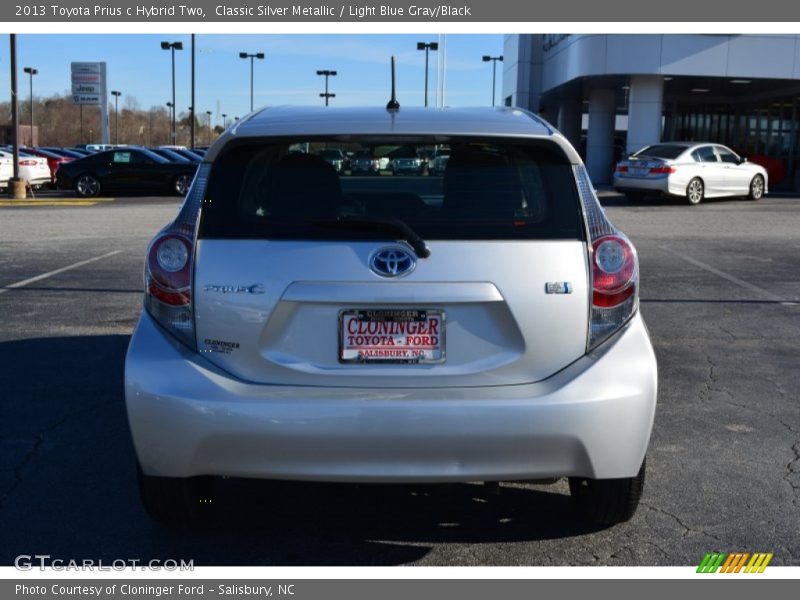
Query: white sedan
pixel 689 169
pixel 32 169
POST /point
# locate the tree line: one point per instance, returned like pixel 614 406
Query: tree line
pixel 62 123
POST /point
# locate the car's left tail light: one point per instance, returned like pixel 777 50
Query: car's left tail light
pixel 169 267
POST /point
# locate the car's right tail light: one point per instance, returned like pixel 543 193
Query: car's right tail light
pixel 169 266
pixel 614 268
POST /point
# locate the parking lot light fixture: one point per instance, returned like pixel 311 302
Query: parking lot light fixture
pixel 208 119
pixel 326 73
pixel 252 57
pixel 224 121
pixel 494 60
pixel 432 47
pixel 172 47
pixel 31 72
pixel 116 95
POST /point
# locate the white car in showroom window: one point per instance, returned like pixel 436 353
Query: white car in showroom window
pixel 689 169
pixel 304 323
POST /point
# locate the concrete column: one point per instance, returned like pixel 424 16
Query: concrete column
pixel 570 113
pixel 645 105
pixel 600 135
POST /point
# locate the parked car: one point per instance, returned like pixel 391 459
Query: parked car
pixel 69 152
pixel 301 324
pixel 33 169
pixel 334 157
pixel 689 169
pixel 192 155
pixel 171 155
pixel 408 163
pixel 54 160
pixel 6 170
pixel 95 147
pixel 127 170
pixel 364 162
pixel 439 163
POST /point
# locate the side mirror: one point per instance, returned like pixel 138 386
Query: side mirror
pixel 742 160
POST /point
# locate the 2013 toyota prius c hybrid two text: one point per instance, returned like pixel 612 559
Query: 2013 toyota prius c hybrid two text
pixel 306 323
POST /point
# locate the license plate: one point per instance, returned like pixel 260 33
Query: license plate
pixel 640 171
pixel 391 335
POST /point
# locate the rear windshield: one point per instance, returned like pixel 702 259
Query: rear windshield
pixel 668 151
pixel 488 189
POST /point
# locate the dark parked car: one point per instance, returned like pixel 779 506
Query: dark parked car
pixel 126 170
pixel 170 155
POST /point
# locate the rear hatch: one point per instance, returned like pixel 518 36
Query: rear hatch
pixel 306 276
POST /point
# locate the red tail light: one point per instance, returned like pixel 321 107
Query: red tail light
pixel 662 170
pixel 26 162
pixel 614 271
pixel 622 169
pixel 169 269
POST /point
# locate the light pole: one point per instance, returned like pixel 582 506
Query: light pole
pixel 171 108
pixel 191 108
pixel 433 47
pixel 494 60
pixel 208 118
pixel 172 46
pixel 31 72
pixel 224 121
pixel 259 56
pixel 116 95
pixel 327 73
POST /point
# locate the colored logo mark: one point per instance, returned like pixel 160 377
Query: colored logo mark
pixel 734 562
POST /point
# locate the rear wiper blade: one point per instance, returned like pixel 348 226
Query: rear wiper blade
pixel 388 225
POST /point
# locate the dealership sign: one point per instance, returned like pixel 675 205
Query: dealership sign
pixel 89 83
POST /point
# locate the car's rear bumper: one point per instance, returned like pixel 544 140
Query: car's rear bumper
pixel 592 419
pixel 642 184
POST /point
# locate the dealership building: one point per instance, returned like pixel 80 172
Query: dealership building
pixel 614 94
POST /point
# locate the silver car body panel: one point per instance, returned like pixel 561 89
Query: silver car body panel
pixel 501 325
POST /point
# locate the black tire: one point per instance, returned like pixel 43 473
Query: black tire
pixel 181 184
pixel 172 500
pixel 607 501
pixel 756 188
pixel 634 196
pixel 87 185
pixel 695 191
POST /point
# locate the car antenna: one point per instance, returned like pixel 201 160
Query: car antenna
pixel 393 104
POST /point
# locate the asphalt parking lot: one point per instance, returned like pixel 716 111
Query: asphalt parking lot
pixel 721 297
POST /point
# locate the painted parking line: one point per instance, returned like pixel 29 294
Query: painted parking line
pixel 24 282
pixel 53 202
pixel 733 279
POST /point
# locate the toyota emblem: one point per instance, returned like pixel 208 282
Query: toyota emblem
pixel 392 262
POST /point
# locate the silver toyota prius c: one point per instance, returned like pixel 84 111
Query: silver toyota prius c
pixel 303 322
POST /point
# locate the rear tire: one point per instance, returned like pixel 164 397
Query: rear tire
pixel 695 191
pixel 607 501
pixel 756 188
pixel 174 499
pixel 87 185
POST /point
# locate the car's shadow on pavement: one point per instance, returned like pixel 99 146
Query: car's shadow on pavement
pixel 67 486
